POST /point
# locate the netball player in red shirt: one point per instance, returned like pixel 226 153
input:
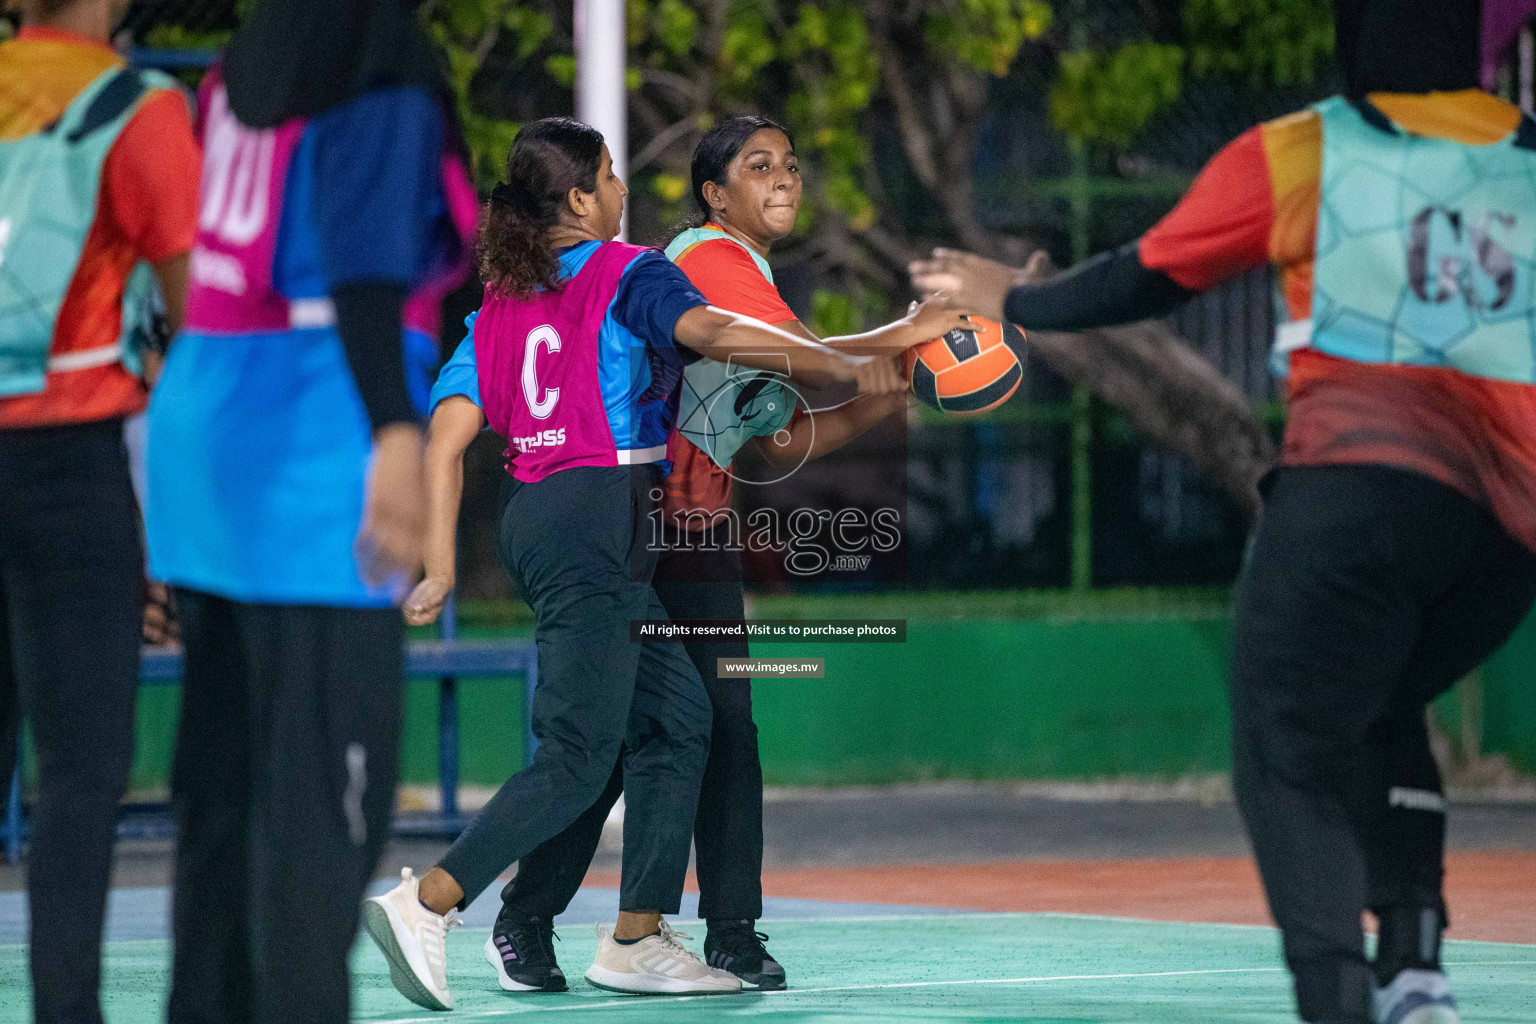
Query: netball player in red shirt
pixel 1396 547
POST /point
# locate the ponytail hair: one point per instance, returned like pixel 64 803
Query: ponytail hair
pixel 713 155
pixel 548 159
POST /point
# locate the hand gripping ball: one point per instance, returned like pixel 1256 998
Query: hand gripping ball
pixel 967 371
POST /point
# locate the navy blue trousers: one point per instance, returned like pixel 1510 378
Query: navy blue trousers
pixel 694 582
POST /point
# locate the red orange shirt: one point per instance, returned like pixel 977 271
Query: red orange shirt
pixel 147 210
pixel 1256 202
pixel 728 277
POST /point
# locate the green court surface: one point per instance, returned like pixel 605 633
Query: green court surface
pixel 962 967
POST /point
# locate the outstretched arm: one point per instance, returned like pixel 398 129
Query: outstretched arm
pixel 1224 226
pixel 454 425
pixel 817 434
pixel 1110 288
pixel 726 337
pixel 931 319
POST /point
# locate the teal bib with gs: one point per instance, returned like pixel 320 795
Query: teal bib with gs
pixel 50 182
pixel 1426 248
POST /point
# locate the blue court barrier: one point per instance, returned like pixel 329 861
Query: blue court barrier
pixel 448 659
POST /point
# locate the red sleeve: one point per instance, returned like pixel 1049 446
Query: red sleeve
pixel 150 181
pixel 726 275
pixel 1221 228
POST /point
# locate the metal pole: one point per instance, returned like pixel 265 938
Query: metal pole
pixel 1082 402
pixel 601 95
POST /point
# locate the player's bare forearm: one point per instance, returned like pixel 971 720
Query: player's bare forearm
pixel 445 491
pixel 454 425
pixel 932 319
pixel 728 337
pixel 172 274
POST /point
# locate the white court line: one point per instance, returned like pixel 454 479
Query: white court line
pixel 786 993
pixel 963 915
pixel 1119 919
pixel 1264 928
pixel 972 915
pixel 1027 981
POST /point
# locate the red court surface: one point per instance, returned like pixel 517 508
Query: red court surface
pixel 1492 895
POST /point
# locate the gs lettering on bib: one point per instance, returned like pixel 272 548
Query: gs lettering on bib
pixel 1426 248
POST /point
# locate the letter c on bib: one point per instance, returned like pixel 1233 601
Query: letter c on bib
pixel 540 405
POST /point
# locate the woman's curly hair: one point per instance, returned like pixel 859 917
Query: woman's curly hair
pixel 548 159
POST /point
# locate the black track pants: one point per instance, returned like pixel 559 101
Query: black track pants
pixel 71 606
pixel 1368 591
pixel 728 830
pixel 284 782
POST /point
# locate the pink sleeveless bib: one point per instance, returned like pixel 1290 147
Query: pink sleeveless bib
pixel 537 360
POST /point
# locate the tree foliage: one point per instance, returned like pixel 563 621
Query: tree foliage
pixel 844 73
pixel 468 31
pixel 1262 41
pixel 1109 96
pixel 916 74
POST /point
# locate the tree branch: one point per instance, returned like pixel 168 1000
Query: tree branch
pixel 651 117
pixel 662 141
pixel 686 89
pixel 911 127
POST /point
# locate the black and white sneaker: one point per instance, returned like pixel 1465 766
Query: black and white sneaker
pixel 737 947
pixel 523 952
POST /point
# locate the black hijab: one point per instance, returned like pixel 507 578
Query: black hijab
pixel 296 58
pixel 1408 45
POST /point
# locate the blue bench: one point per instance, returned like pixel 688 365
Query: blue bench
pixel 448 660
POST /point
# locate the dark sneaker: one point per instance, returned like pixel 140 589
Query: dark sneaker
pixel 736 946
pixel 523 953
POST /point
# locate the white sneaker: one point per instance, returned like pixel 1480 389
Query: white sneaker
pixel 1415 997
pixel 413 940
pixel 657 964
